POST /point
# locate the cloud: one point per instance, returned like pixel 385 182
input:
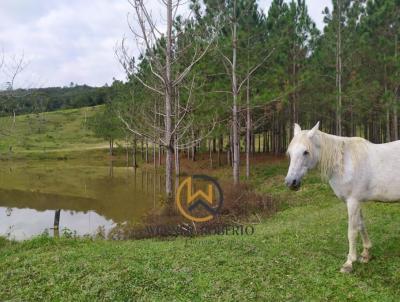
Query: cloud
pixel 64 41
pixel 73 40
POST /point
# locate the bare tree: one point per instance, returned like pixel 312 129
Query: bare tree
pixel 236 84
pixel 161 58
pixel 10 68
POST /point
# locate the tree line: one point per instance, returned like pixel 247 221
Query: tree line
pixel 234 79
pixel 231 78
pixel 36 100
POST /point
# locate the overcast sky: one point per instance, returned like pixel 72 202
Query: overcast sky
pixel 73 40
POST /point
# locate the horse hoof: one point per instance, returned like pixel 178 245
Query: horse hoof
pixel 346 269
pixel 364 259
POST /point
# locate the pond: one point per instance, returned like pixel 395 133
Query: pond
pixel 39 196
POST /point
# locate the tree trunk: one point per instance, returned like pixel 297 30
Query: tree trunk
pixel 154 156
pixel 127 151
pixel 352 128
pixel 387 136
pixel 395 122
pixel 168 106
pixel 387 139
pixel 134 163
pixel 228 157
pixel 248 129
pixel 147 151
pixel 235 119
pixel 159 155
pixel 293 107
pixel 210 149
pixel 176 143
pixel 56 225
pixel 339 72
pixel 252 140
pixel 141 149
pixel 155 135
pixel 177 162
pixel 193 146
pixel 396 95
pixel 219 156
pixel 220 148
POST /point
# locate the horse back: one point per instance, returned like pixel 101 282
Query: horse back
pixel 384 171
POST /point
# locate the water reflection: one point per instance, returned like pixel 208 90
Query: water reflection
pixel 25 223
pixel 54 196
pixel 56 226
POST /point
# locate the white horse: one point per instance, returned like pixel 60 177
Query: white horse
pixel 357 170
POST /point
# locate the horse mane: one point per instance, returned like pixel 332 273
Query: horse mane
pixel 332 153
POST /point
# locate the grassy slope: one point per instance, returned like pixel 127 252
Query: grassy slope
pixel 58 130
pixel 295 255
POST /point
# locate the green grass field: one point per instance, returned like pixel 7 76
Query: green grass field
pixel 293 256
pixel 63 130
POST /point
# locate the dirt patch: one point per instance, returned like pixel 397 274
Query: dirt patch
pixel 241 207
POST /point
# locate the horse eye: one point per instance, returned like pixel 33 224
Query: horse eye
pixel 306 153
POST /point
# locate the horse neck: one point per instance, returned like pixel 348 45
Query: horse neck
pixel 331 155
pixel 333 149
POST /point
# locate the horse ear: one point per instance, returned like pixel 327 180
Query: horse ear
pixel 297 129
pixel 313 130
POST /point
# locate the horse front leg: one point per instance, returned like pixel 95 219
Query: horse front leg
pixel 365 255
pixel 353 211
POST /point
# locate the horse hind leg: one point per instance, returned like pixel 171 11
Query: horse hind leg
pixel 353 210
pixel 365 255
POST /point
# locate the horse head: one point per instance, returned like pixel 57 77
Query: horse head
pixel 304 152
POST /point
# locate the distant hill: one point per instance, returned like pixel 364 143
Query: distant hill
pixel 48 131
pixel 38 100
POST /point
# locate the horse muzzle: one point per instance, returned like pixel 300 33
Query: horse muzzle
pixel 293 184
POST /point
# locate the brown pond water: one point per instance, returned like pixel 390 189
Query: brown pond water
pixel 82 198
